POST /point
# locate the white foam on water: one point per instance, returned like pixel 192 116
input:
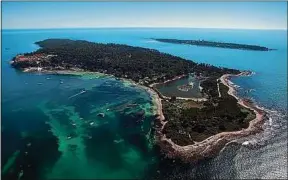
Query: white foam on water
pixel 266 161
pixel 274 123
pixel 270 121
pixel 245 143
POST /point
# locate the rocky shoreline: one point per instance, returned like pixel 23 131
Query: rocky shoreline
pixel 214 144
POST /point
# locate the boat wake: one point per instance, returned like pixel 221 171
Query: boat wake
pixel 83 91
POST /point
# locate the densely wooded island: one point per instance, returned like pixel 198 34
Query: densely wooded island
pixel 183 126
pixel 215 44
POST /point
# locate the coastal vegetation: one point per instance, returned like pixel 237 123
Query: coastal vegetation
pixel 188 121
pixel 187 124
pixel 215 44
pixel 139 64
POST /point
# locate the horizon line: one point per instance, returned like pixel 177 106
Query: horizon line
pixel 140 27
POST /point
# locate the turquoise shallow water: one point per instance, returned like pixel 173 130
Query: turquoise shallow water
pixel 38 118
pixel 100 147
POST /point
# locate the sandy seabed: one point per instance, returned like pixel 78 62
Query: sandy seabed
pixel 199 150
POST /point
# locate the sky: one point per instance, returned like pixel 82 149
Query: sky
pixel 230 15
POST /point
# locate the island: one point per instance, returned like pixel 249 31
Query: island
pixel 185 87
pixel 215 44
pixel 185 128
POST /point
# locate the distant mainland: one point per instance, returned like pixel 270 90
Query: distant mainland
pixel 186 128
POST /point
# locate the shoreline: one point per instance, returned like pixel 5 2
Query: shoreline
pixel 199 150
pixel 213 144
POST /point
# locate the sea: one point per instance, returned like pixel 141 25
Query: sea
pixel 89 126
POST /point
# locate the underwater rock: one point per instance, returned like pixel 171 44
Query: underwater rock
pixel 140 114
pixel 101 115
pixel 131 105
pixel 72 147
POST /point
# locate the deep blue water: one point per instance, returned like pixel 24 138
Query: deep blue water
pixel 26 106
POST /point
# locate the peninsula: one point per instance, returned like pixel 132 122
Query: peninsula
pixel 186 128
pixel 215 44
